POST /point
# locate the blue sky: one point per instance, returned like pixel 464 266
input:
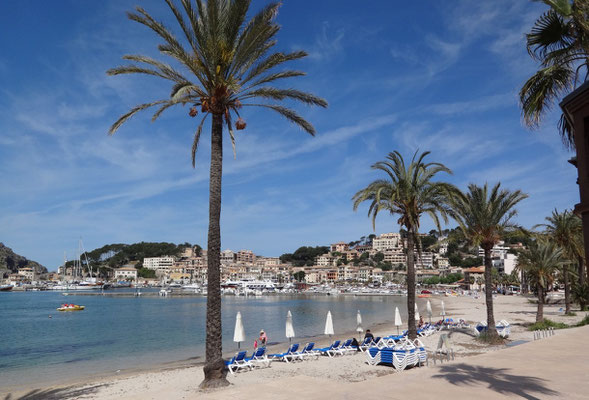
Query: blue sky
pixel 438 76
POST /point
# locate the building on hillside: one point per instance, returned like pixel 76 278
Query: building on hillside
pixel 505 264
pixel 387 241
pixel 442 262
pixel 163 264
pixel 425 259
pixel 498 251
pixel 126 273
pixel 325 260
pixel 29 273
pixel 339 247
pixel 363 248
pixel 395 257
pixel 245 256
pixel 227 257
pixel 443 245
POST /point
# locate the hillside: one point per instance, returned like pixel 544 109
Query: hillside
pixel 12 261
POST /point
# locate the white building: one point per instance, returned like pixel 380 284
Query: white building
pixel 387 241
pixel 126 273
pixel 164 263
pixel 505 264
pixel 498 251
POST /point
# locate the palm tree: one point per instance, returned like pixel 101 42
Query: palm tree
pixel 559 40
pixel 225 64
pixel 565 229
pixel 541 260
pixel 483 218
pixel 409 192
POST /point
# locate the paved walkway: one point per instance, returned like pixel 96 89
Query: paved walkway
pixel 555 367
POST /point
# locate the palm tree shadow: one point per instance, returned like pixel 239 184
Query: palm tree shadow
pixel 498 380
pixel 56 394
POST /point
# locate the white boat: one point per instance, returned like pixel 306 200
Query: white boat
pixel 191 286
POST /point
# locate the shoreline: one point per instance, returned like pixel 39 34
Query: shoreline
pixel 187 373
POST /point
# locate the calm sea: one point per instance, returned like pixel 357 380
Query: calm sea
pixel 119 333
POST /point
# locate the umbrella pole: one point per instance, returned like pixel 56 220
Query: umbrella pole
pixel 238 345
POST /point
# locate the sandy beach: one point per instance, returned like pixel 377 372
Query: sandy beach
pixel 181 381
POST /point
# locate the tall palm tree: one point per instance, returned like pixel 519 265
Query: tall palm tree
pixel 225 63
pixel 409 192
pixel 565 229
pixel 483 217
pixel 559 40
pixel 541 260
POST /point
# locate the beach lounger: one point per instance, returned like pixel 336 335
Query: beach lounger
pixel 238 362
pixel 259 358
pixel 503 328
pixel 399 359
pixel 345 348
pixel 308 351
pixel 331 350
pixel 365 344
pixel 288 355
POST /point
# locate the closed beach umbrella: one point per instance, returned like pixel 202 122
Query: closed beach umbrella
pixel 239 333
pixel 329 325
pixel 359 323
pixel 290 333
pixel 443 313
pixel 416 313
pixel 398 321
pixel 428 309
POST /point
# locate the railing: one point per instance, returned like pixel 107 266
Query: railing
pixel 543 333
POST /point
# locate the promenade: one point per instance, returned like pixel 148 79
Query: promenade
pixel 554 367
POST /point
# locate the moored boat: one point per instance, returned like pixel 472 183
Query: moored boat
pixel 6 288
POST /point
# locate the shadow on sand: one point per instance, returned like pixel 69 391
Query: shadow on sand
pixel 56 393
pixel 498 380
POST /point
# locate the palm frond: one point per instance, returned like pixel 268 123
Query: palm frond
pixel 134 110
pixel 290 115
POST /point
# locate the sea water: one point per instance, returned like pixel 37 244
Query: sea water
pixel 40 346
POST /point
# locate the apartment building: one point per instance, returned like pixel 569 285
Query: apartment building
pixel 387 241
pixel 164 263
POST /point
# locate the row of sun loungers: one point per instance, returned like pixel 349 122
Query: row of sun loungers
pixel 260 359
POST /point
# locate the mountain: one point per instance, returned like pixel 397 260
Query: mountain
pixel 12 261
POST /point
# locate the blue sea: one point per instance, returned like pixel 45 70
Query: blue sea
pixel 120 333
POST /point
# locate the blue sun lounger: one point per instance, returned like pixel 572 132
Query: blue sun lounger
pixel 259 358
pixel 238 362
pixel 287 356
pixel 331 350
pixel 308 351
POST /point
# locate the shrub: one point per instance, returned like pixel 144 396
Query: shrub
pixel 545 324
pixel 584 321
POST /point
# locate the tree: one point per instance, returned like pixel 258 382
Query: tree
pixel 540 260
pixel 566 230
pixel 409 192
pixel 559 41
pixel 225 66
pixel 299 276
pixel 483 218
pixel 378 257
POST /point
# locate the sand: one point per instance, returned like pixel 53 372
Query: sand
pixel 182 383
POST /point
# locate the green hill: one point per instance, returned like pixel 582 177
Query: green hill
pixel 12 261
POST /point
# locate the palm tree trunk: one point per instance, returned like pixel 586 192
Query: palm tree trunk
pixel 214 369
pixel 581 270
pixel 540 312
pixel 567 289
pixel 411 286
pixel 492 331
